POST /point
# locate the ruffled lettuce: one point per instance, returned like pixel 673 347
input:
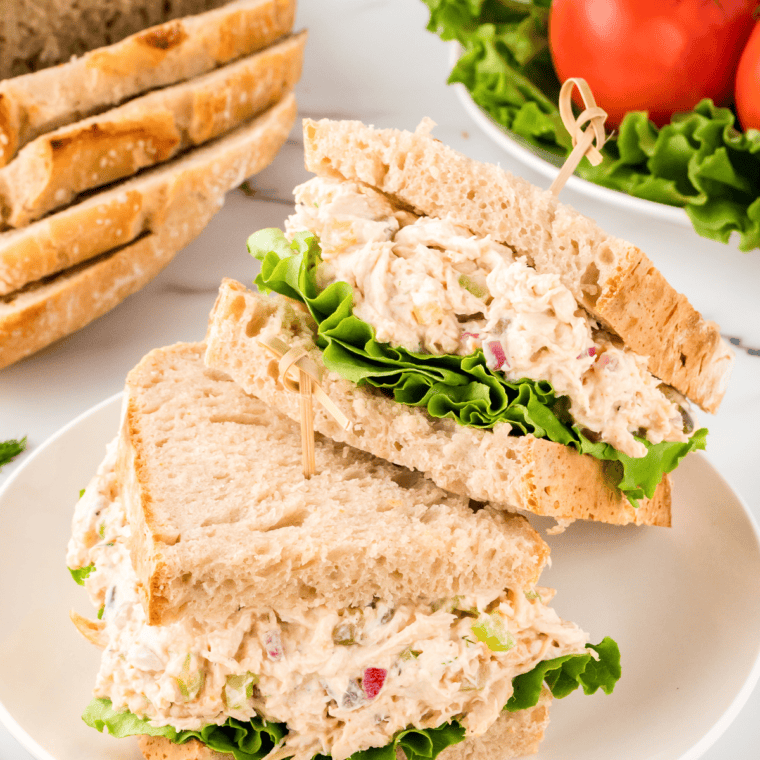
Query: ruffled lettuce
pixel 699 161
pixel 254 739
pixel 80 574
pixel 461 388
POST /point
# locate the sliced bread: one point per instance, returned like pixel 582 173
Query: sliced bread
pixel 36 103
pixel 54 168
pixel 514 734
pixel 522 472
pixel 611 278
pixel 35 34
pixel 221 515
pixel 184 201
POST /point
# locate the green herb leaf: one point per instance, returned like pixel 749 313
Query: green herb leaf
pixel 9 450
pixel 461 388
pixel 564 675
pixel 100 613
pixel 80 574
pixel 700 161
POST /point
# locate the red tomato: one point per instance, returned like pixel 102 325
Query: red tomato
pixel 659 56
pixel 748 83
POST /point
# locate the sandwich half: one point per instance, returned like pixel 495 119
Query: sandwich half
pixel 437 284
pixel 248 612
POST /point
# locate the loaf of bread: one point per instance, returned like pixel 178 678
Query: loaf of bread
pixel 166 119
pixel 136 232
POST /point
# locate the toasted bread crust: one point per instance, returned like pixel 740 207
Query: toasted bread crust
pixel 612 279
pixel 53 169
pixel 43 312
pixel 514 734
pixel 33 104
pixel 522 472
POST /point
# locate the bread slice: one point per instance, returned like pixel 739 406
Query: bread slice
pixel 54 168
pixel 515 734
pixel 106 220
pixel 522 472
pixel 35 103
pixel 41 33
pixel 609 277
pixel 222 516
pixel 184 201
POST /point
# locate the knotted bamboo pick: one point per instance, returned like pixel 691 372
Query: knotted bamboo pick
pixel 582 139
pixel 309 384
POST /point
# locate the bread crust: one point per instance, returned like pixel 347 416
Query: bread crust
pixel 609 277
pixel 47 310
pixel 33 104
pixel 515 734
pixel 54 168
pixel 522 472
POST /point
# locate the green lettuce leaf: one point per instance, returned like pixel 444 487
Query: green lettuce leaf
pixel 564 675
pixel 461 388
pixel 81 573
pixel 254 739
pixel 9 450
pixel 700 161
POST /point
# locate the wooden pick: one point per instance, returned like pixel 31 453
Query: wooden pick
pixel 307 386
pixel 583 139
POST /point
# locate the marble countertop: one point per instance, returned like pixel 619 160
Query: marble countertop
pixel 373 60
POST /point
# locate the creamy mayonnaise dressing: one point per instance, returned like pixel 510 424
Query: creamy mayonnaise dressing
pixel 431 286
pixel 342 680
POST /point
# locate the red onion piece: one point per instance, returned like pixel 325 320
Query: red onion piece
pixel 495 347
pixel 373 680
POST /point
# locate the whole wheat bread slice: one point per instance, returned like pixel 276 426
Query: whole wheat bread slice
pixel 515 734
pixel 35 34
pixel 36 103
pixel 222 516
pixel 609 277
pixel 183 203
pixel 54 168
pixel 522 472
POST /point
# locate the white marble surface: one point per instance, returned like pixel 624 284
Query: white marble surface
pixel 373 60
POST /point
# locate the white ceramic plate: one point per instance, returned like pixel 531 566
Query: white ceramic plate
pixel 684 605
pixel 547 164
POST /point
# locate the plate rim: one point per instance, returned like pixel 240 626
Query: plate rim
pixel 27 741
pixel 501 137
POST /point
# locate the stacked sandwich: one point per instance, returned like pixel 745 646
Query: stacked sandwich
pixel 473 332
pixel 256 613
pixel 113 161
pixel 477 330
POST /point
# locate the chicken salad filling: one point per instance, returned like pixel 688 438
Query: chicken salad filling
pixel 341 680
pixel 429 285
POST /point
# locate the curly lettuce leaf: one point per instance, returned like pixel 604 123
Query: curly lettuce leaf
pixel 9 450
pixel 563 675
pixel 700 161
pixel 461 388
pixel 80 574
pixel 256 738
